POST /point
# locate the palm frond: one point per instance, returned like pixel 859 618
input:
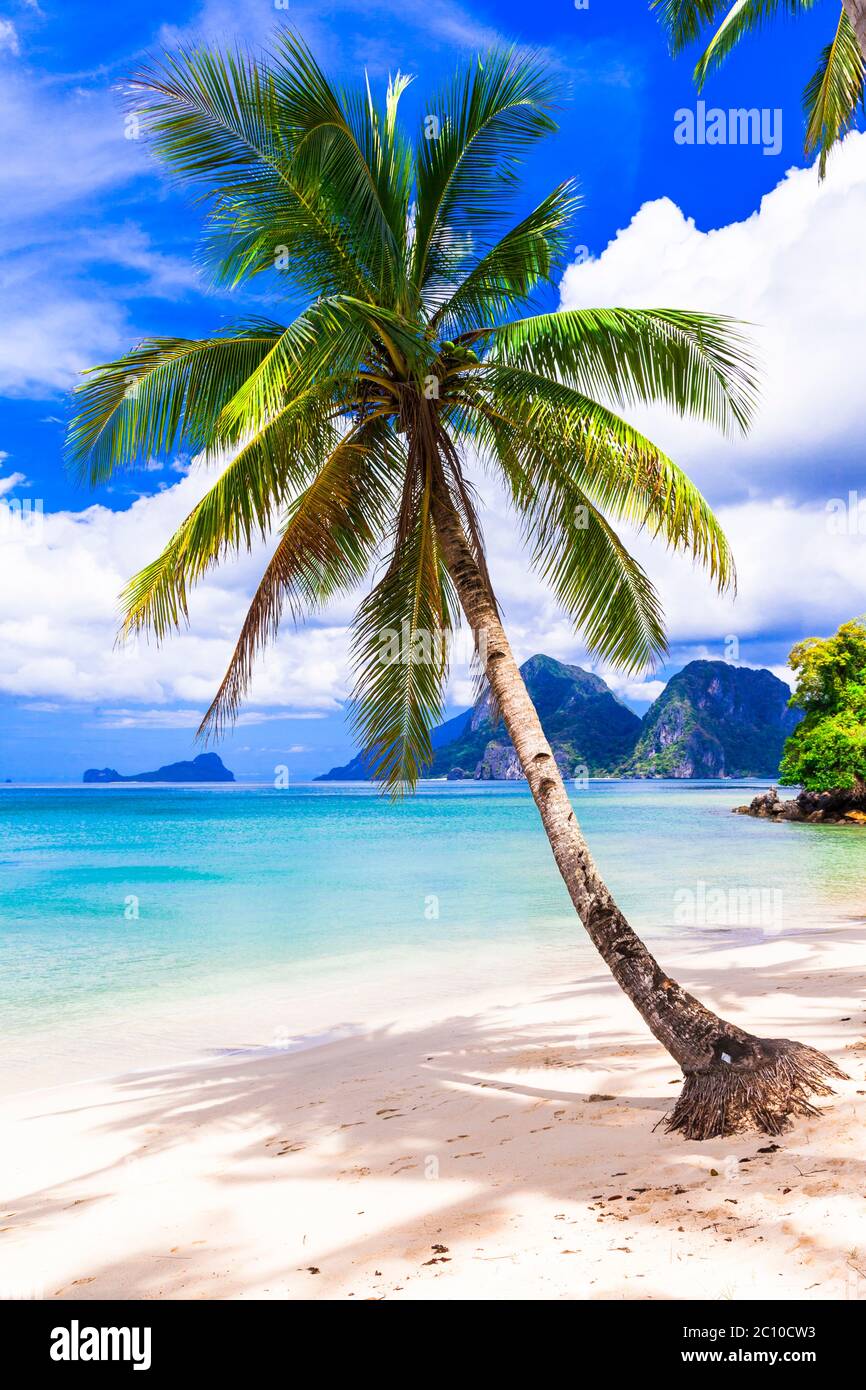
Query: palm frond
pixel 744 17
pixel 527 256
pixel 400 654
pixel 215 120
pixel 604 590
pixel 326 547
pixel 555 436
pixel 684 19
pixel 241 507
pixel 165 392
pixel 468 152
pixel 328 341
pixel 835 92
pixel 345 146
pixel 696 364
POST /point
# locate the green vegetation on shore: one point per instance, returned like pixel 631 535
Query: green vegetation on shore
pixel 827 751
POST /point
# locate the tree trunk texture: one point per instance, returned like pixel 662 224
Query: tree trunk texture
pixel 856 10
pixel 733 1080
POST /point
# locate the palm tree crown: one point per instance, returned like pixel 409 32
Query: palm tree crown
pixel 419 342
pixel 834 94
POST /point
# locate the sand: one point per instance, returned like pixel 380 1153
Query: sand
pixel 509 1148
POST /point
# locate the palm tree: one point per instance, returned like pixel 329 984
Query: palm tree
pixel 354 423
pixel 835 92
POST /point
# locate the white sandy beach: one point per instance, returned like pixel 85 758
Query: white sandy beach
pixel 505 1149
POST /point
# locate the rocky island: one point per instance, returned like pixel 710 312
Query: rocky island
pixel 207 767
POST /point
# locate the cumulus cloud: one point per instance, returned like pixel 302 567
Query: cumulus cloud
pixel 793 270
pixel 60 577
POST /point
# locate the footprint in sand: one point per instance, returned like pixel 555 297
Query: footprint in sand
pixel 288 1146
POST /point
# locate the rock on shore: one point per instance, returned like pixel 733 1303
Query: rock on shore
pixel 827 808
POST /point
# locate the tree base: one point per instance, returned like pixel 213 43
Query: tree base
pixel 763 1089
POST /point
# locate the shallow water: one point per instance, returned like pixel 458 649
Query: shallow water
pixel 140 924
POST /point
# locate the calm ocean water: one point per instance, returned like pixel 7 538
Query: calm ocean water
pixel 139 925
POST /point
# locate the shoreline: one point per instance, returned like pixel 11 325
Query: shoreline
pixel 403 977
pixel 517 1132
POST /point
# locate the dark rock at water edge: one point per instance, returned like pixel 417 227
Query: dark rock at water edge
pixel 816 808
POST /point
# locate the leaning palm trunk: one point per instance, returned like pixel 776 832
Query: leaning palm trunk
pixel 856 11
pixel 733 1080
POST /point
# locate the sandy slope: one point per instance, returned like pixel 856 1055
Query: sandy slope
pixel 504 1152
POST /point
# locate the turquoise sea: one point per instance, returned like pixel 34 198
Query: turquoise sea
pixel 139 925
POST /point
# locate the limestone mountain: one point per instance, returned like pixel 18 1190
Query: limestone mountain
pixel 714 720
pixel 588 727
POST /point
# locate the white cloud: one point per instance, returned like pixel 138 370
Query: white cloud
pixel 60 147
pixel 59 587
pixel 63 150
pixel 9 483
pixel 188 719
pixel 793 270
pixel 9 37
pixel 46 342
pixel 795 578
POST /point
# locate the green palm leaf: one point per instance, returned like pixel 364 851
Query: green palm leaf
pixel 684 19
pixel 744 17
pixel 328 540
pixel 835 92
pixel 165 392
pixel 215 120
pixel 559 436
pixel 400 654
pixel 578 553
pixel 527 256
pixel 697 364
pixel 467 169
pixel 241 507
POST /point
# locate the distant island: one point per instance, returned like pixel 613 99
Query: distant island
pixel 712 720
pixel 207 767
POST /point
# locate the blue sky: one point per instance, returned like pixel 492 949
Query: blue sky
pixel 98 252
